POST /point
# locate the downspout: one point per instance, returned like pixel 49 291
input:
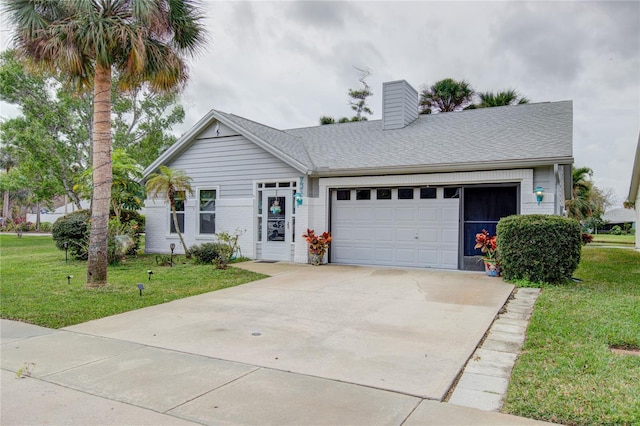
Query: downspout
pixel 556 172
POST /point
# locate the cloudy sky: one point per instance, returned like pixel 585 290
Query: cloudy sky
pixel 285 64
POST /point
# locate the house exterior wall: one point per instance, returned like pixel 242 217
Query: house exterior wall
pixel 637 227
pixel 230 164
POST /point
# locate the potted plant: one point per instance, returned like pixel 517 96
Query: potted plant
pixel 318 245
pixel 488 245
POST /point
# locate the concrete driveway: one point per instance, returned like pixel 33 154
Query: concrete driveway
pixel 404 330
pixel 310 345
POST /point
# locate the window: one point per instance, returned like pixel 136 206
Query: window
pixel 363 194
pixel 428 193
pixel 383 194
pixel 405 193
pixel 343 194
pixel 207 211
pixel 452 193
pixel 179 200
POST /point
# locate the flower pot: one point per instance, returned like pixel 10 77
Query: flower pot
pixel 492 268
pixel 315 259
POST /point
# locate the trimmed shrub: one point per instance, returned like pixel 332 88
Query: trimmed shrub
pixel 539 248
pixel 74 229
pixel 218 254
pixel 205 253
pixel 46 226
pixel 616 230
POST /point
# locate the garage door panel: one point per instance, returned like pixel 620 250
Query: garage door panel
pixel 429 236
pixel 381 255
pixel 384 234
pixel 429 214
pixel 383 214
pixel 450 258
pixel 406 235
pixel 450 212
pixel 428 257
pixel 406 214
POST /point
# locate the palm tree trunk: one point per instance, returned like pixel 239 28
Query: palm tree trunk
pixel 174 215
pixel 102 177
pixel 6 208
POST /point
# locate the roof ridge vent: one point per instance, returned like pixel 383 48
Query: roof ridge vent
pixel 399 104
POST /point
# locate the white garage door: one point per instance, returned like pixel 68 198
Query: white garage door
pixel 415 227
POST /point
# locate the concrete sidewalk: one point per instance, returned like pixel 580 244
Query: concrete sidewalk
pixel 341 346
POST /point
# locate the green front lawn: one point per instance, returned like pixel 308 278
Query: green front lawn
pixel 566 372
pixel 614 239
pixel 35 288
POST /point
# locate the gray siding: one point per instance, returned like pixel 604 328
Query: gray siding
pixel 399 104
pixel 232 163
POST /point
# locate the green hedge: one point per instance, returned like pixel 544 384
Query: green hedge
pixel 539 248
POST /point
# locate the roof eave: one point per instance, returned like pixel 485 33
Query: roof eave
pixel 442 168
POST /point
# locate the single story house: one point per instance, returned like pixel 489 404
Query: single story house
pixel 634 190
pixel 619 217
pixel 407 190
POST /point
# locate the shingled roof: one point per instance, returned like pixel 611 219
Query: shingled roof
pixel 481 139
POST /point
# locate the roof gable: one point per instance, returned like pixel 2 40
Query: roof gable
pixel 268 138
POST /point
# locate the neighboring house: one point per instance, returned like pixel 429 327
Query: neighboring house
pixel 408 190
pixel 634 192
pixel 619 217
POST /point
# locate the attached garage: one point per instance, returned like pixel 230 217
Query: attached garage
pixel 413 227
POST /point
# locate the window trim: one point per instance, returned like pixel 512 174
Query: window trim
pixel 178 212
pixel 215 188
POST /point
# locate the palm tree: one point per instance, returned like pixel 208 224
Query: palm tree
pixel 504 98
pixel 143 41
pixel 580 207
pixel 167 184
pixel 445 96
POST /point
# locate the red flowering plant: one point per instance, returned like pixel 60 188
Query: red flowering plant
pixel 318 244
pixel 488 245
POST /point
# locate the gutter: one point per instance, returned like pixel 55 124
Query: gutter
pixel 443 167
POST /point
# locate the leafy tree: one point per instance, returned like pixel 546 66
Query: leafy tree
pixel 445 96
pixel 142 120
pixel 126 191
pixel 143 40
pixel 503 98
pixel 55 126
pixel 166 184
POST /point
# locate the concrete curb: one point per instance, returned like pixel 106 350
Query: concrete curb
pixel 484 381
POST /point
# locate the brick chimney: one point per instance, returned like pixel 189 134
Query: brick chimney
pixel 399 104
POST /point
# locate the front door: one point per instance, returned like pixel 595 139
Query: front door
pixel 276 225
